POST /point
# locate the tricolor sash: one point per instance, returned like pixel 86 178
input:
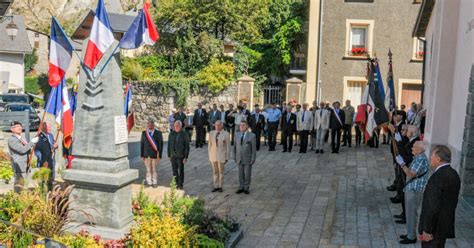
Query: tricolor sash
pixel 151 141
pixel 338 118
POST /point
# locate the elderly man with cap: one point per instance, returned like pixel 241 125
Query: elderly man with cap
pixel 19 149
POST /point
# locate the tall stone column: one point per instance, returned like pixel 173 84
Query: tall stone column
pixel 100 171
pixel 245 90
pixel 467 157
pixel 294 90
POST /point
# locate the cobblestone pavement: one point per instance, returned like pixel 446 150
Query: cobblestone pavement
pixel 311 200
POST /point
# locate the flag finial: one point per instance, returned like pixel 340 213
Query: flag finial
pixel 390 54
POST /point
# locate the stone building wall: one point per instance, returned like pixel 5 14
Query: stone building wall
pixel 149 101
pixel 393 23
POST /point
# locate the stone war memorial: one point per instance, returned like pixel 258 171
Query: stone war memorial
pixel 101 172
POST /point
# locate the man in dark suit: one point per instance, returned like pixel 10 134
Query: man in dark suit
pixel 151 151
pixel 213 116
pixel 178 152
pixel 288 128
pixel 257 124
pixel 336 123
pixel 200 122
pixel 440 200
pixel 44 151
pixel 230 122
pixel 180 115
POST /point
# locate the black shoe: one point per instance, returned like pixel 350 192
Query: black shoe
pixel 155 186
pixel 321 151
pixel 337 152
pixel 214 190
pixel 300 152
pixel 404 236
pixel 344 145
pixel 317 151
pixel 392 188
pixel 247 192
pixel 283 151
pixel 402 221
pixel 333 151
pixel 240 191
pixel 407 241
pixel 350 146
pixel 289 151
pixel 221 190
pixel 399 216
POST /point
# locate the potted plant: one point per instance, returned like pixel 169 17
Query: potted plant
pixel 420 55
pixel 358 51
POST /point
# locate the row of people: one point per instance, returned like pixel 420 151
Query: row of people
pixel 437 193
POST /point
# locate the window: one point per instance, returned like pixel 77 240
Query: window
pixel 354 89
pixel 37 35
pixel 358 38
pixel 418 49
pixel 37 44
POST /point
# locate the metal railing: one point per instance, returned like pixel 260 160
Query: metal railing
pixel 48 242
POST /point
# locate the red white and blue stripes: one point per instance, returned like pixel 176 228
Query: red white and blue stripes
pixel 60 53
pixel 101 37
pixel 59 106
pixel 142 31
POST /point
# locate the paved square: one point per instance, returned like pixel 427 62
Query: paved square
pixel 311 200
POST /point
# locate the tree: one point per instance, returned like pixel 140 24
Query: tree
pixel 30 61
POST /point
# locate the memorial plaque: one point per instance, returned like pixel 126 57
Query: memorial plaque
pixel 121 132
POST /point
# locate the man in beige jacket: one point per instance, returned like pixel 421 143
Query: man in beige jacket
pixel 219 152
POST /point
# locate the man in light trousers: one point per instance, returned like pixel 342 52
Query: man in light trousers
pixel 245 153
pixel 321 126
pixel 219 152
pixel 417 177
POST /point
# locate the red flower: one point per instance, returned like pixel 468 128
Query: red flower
pixel 358 51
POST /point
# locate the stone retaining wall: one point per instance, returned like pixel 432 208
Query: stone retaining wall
pixel 149 100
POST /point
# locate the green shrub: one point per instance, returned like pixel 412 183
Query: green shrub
pixel 216 75
pixel 31 85
pixel 6 173
pixel 131 69
pixel 30 61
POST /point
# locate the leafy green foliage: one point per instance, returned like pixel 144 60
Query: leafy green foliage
pixel 217 75
pixel 6 173
pixel 131 69
pixel 31 85
pixel 30 61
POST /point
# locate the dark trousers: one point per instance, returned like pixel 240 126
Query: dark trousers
pixel 189 131
pixel 304 140
pixel 347 137
pixel 374 141
pixel 435 243
pixel 401 178
pixel 358 138
pixel 178 171
pixel 272 134
pixel 335 139
pixel 258 135
pixel 287 140
pixel 200 136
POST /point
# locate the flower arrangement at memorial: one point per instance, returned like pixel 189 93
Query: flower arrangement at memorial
pixel 358 51
pixel 179 221
pixel 420 55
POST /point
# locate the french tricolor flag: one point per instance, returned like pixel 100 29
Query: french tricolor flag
pixel 101 37
pixel 59 106
pixel 60 53
pixel 142 31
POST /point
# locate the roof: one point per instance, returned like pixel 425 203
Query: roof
pixel 21 43
pixel 119 23
pixel 423 18
pixel 4 6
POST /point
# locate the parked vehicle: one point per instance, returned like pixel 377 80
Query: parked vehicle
pixel 13 98
pixel 18 106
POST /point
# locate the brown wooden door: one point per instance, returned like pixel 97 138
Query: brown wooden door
pixel 411 93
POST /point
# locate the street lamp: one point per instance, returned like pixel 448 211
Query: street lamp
pixel 12 28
